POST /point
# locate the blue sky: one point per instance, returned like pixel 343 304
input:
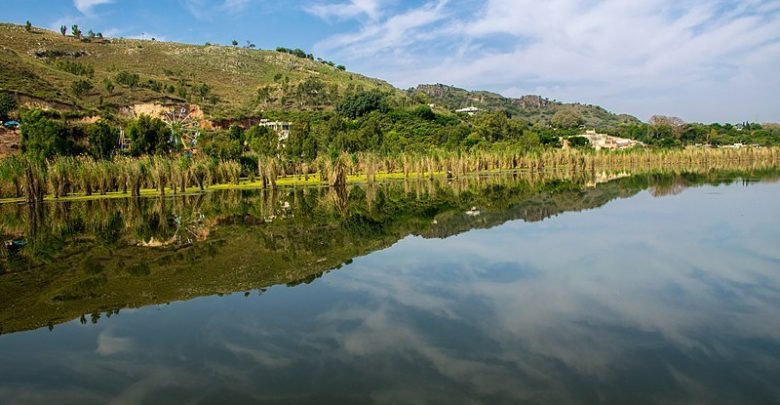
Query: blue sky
pixel 700 60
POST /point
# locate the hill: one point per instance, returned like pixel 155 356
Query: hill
pixel 47 69
pixel 531 108
pixel 64 72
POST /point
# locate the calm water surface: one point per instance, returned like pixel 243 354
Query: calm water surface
pixel 661 289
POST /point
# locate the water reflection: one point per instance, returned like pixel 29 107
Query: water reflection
pixel 643 300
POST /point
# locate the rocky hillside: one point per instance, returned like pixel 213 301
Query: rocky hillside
pixel 49 69
pixel 531 107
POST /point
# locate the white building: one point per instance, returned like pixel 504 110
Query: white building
pixel 281 128
pixel 471 110
pixel 604 141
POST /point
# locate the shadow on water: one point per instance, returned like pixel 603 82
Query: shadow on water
pixel 69 260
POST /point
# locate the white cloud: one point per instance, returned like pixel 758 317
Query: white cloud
pixel 352 9
pixel 234 6
pixel 641 57
pixel 205 9
pixel 108 345
pixel 86 6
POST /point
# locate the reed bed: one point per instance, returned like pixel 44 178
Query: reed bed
pixel 31 179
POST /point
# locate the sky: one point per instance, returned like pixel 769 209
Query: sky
pixel 708 61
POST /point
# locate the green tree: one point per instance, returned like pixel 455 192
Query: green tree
pixel 103 139
pixel 262 141
pixel 530 140
pixel 81 87
pixel 567 118
pixel 220 145
pixel 8 103
pixel 28 26
pixel 42 137
pixel 301 146
pixel 148 136
pixel 63 30
pixel 109 85
pixel 91 34
pixel 578 142
pixel 492 126
pixel 371 135
pixel 234 42
pixel 128 79
pixel 425 113
pixel 76 31
pixel 361 103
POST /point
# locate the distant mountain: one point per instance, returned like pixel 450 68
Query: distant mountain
pixel 531 107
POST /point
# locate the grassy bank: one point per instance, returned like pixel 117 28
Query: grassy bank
pixel 68 178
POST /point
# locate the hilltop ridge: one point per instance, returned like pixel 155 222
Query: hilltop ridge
pixel 47 69
pixel 533 108
pixel 43 68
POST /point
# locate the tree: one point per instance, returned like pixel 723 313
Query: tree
pixel 41 137
pixel 578 142
pixel 91 34
pixel 202 90
pixel 109 85
pixel 361 103
pixel 76 31
pixel 425 113
pixel 103 139
pixel 262 141
pixel 8 103
pixel 234 42
pixel 128 79
pixel 530 140
pixel 28 26
pixel 492 126
pixel 567 118
pixel 63 30
pixel 100 35
pixel 148 136
pixel 80 87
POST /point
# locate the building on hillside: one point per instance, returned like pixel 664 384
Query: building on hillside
pixel 281 128
pixel 604 141
pixel 471 110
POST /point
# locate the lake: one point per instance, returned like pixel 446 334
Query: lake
pixel 652 288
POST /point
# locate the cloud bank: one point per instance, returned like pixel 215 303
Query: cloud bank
pixel 702 60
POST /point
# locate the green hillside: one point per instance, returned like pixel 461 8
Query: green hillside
pixel 531 108
pixel 42 67
pixel 45 68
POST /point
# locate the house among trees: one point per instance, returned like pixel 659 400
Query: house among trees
pixel 281 128
pixel 604 141
pixel 471 110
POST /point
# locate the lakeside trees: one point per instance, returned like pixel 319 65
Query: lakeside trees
pixel 368 132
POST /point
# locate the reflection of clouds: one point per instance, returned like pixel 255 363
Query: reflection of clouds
pixel 108 344
pixel 264 358
pixel 603 285
pixel 521 312
pixel 25 395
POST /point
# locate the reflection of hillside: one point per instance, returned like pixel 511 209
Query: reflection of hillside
pixel 84 258
pixel 537 206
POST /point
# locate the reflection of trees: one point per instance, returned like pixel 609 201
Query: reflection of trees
pixel 263 237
